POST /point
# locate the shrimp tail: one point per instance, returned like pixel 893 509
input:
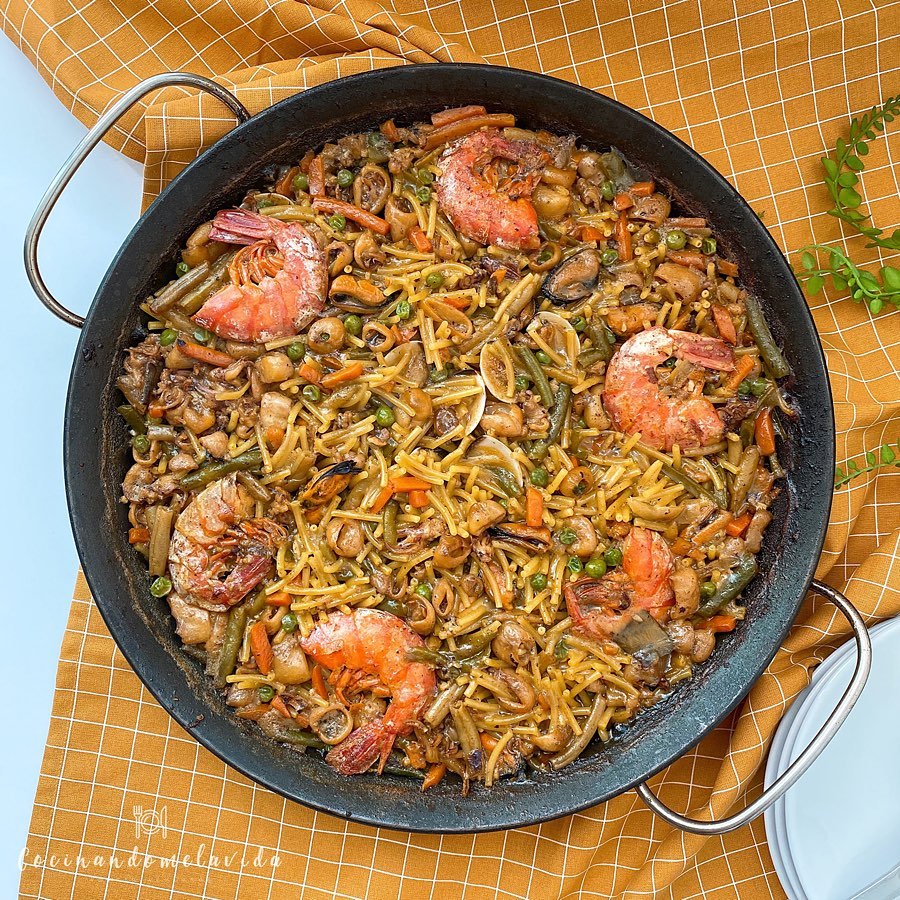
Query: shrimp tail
pixel 361 749
pixel 241 580
pixel 240 226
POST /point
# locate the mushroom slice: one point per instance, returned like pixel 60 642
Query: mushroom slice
pixel 498 369
pixel 556 337
pixel 574 278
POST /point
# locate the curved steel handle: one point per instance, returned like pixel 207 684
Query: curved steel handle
pixel 88 142
pixel 807 757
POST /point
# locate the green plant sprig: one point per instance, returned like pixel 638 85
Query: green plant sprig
pixel 843 166
pixel 873 290
pixel 886 458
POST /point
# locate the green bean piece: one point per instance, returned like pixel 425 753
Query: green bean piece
pixel 300 737
pixel 587 358
pixel 395 767
pixel 133 418
pixel 768 349
pixel 471 644
pixel 234 635
pixel 688 483
pixel 210 472
pixel 389 522
pixel 394 607
pixel 537 374
pixel 558 414
pixel 730 585
pixel 174 291
pixel 217 275
pixel 602 339
pixel 507 481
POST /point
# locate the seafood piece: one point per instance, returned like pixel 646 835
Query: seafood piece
pixel 485 189
pixel 626 604
pixel 573 279
pixel 329 483
pixel 215 536
pixel 376 643
pixel 634 401
pixel 277 290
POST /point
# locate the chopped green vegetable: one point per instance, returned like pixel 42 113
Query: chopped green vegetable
pixel 266 693
pixel 708 246
pixel 434 280
pixel 213 471
pixel 296 351
pixel 160 586
pixel 384 416
pixel 612 556
pixel 337 222
pixel 345 177
pixel 312 393
pixel 182 269
pixel 353 325
pixel 404 310
pixel 539 581
pixel 168 337
pixel 676 239
pixel 595 567
pixel 289 623
pixel 423 194
pixel 300 183
pixel 424 590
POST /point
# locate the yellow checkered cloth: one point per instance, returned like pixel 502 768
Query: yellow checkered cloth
pixel 760 88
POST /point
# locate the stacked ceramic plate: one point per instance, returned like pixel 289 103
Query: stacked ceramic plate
pixel 835 835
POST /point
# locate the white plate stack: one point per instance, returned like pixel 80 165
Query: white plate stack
pixel 835 835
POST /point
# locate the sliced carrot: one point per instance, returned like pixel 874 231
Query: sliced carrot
pixel 285 184
pixel 765 432
pixel 642 189
pixel 727 268
pixel 316 177
pixel 499 276
pixel 281 706
pixel 205 354
pixel 466 126
pixel 418 499
pixel 354 213
pixel 623 238
pixel 680 546
pixel 534 507
pixel 274 436
pixel 138 535
pixel 389 130
pixel 410 483
pixel 457 114
pixel 382 499
pixel 348 373
pixel 309 373
pixel 318 682
pixel 488 741
pixel 687 258
pixel 415 755
pixel 314 515
pixel 737 527
pixel 589 233
pixel 280 598
pixel 435 776
pixel 261 648
pixel 420 240
pixel 724 323
pixel 622 202
pixel 157 409
pixel 743 366
pixel 458 302
pixel 717 624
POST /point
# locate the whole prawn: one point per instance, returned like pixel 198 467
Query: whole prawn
pixel 376 643
pixel 482 206
pixel 291 283
pixel 214 535
pixel 633 398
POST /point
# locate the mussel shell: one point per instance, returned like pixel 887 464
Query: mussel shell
pixel 574 278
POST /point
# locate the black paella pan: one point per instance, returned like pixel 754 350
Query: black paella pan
pixel 96 442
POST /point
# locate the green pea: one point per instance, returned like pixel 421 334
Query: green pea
pixel 676 239
pixel 759 386
pixel 425 176
pixel 434 280
pixel 384 415
pixel 543 358
pixel 160 586
pixel 608 190
pixel 300 183
pixel 345 178
pixel 613 556
pixel 312 393
pixel 353 325
pixel 708 246
pixel 609 257
pixel 574 565
pixel 182 269
pixel 141 443
pixel 595 567
pixel 296 351
pixel 424 590
pixel 337 223
pixel 539 581
pixel 578 323
pixel 202 336
pixel 561 650
pixel 168 337
pixel 266 693
pixel 539 477
pixel 436 376
pixel 707 590
pixel 544 256
pixel 404 310
pixel 289 623
pixel 523 382
pixel 424 194
pixel 744 389
pixel 262 204
pixel 566 536
pixel 651 237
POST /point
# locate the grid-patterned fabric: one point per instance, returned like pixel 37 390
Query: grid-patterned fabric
pixel 759 87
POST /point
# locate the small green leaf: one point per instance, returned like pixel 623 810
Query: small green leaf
pixel 887 455
pixel 841 144
pixel 814 285
pixel 849 197
pixel 888 117
pixel 870 135
pixel 830 166
pixel 879 126
pixel 862 149
pixel 868 281
pixel 852 467
pixel 875 305
pixel 870 457
pixel 839 473
pixel 839 283
pixel 855 216
pixel 891 278
pixel 808 260
pixel 855 163
pixel 847 179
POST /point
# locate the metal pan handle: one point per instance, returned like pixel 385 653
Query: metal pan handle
pixel 807 757
pixel 88 142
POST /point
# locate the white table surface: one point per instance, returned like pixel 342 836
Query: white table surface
pixel 37 555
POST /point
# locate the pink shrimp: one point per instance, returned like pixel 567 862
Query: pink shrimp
pixel 605 606
pixel 291 283
pixel 633 398
pixel 215 535
pixel 376 643
pixel 482 205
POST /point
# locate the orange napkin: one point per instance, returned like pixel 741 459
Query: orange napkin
pixel 759 89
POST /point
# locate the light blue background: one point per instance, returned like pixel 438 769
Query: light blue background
pixel 37 556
